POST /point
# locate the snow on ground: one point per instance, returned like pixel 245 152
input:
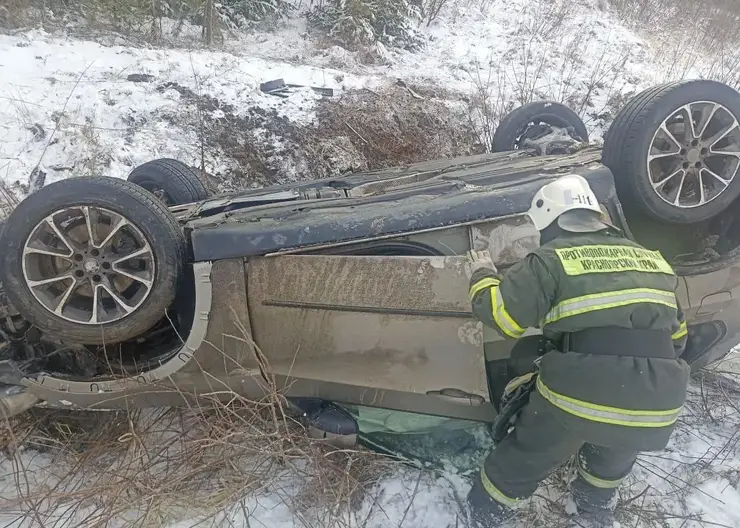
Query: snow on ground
pixel 694 483
pixel 73 107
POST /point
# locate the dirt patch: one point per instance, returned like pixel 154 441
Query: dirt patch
pixel 359 130
pixel 397 126
pixel 224 133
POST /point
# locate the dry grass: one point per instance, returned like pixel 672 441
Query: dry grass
pixel 208 461
pixel 8 200
pixel 395 126
pixel 151 468
pixel 688 37
pixel 357 130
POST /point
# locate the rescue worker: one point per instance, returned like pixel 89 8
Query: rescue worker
pixel 615 384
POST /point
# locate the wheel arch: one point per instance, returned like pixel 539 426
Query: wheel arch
pixel 98 393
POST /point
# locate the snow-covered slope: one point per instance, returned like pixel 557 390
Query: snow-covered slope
pixel 79 108
pixel 75 107
pixel 694 483
pixel 70 107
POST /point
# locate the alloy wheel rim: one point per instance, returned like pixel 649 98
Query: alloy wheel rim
pixel 694 154
pixel 88 265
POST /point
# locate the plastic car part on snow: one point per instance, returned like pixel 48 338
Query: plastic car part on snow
pixel 92 260
pixel 170 180
pixel 15 400
pixel 536 119
pixel 674 150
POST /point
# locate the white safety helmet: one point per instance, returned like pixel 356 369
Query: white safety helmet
pixel 568 193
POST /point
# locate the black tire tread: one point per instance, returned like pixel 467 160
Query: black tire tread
pixel 503 136
pixel 624 137
pixel 178 180
pixel 43 202
pixel 616 136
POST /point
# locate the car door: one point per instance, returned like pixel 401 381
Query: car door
pixel 509 240
pixel 712 308
pixel 384 331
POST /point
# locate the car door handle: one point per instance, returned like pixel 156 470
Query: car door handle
pixel 458 396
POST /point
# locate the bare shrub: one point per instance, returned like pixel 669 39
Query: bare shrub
pixel 204 461
pixel 395 127
pixel 94 158
pixel 14 14
pixel 551 59
pixel 143 19
pixel 689 38
pixel 488 103
pixel 457 7
pixel 546 20
pixel 153 21
pixel 639 12
pixel 429 10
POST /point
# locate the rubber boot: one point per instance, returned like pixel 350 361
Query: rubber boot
pixel 484 511
pixel 598 515
pixel 594 506
pixel 597 519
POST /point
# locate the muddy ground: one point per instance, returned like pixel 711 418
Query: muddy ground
pixel 358 130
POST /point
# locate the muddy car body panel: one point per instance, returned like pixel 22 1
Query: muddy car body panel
pixel 427 196
pixel 350 289
pixel 362 298
pixel 320 336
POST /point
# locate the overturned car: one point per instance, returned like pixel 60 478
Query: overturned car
pixel 148 292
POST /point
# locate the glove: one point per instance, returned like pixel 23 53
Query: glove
pixel 478 260
pixel 516 396
pixel 520 382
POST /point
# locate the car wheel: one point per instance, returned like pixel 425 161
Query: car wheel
pixel 170 180
pixel 674 150
pixel 533 120
pixel 92 260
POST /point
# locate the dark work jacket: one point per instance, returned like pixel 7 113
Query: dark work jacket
pixel 628 385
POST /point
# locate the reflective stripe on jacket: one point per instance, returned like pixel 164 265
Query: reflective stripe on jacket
pixel 585 281
pixel 606 414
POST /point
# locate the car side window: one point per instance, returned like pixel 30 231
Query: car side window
pixel 508 239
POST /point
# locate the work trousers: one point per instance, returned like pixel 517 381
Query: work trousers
pixel 536 447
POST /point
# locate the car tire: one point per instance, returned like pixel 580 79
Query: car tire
pixel 515 124
pixel 119 286
pixel 170 180
pixel 643 156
